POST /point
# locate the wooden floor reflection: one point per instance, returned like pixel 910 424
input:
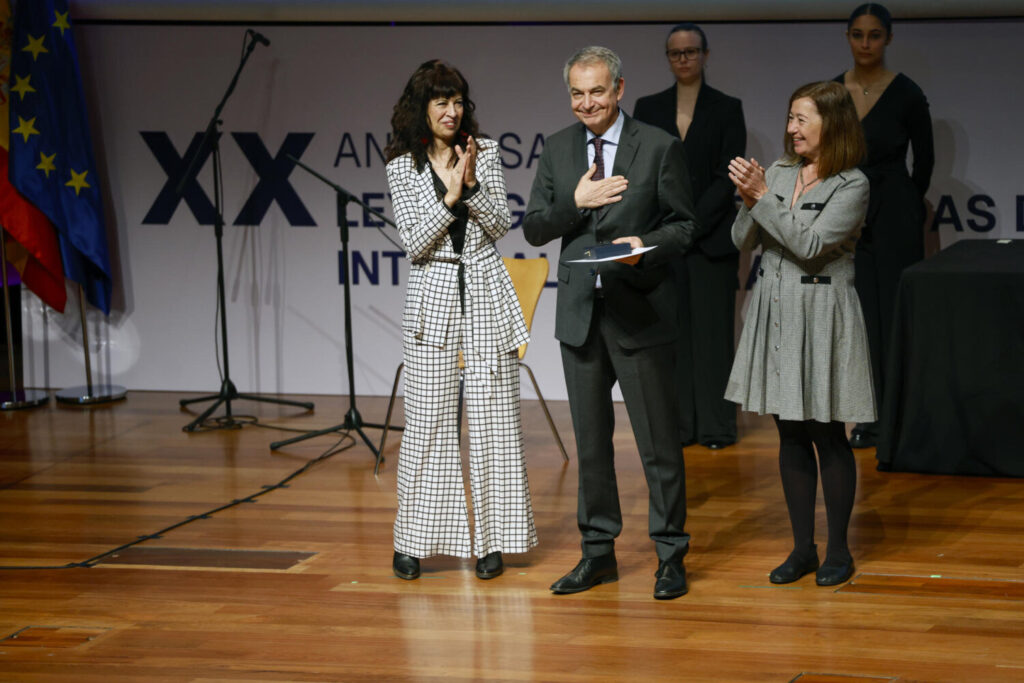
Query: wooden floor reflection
pixel 295 584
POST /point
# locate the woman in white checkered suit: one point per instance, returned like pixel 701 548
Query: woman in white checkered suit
pixel 450 203
pixel 803 354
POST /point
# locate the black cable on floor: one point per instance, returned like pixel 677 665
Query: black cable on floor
pixel 267 488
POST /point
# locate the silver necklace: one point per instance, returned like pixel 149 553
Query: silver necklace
pixel 804 186
pixel 866 89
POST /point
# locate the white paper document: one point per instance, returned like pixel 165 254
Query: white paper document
pixel 635 252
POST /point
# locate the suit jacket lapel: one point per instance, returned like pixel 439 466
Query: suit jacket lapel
pixel 784 186
pixel 665 110
pixel 579 155
pixel 784 182
pixel 625 153
pixel 700 114
pixel 428 194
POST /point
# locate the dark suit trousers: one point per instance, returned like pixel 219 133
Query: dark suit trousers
pixel 645 377
pixel 707 308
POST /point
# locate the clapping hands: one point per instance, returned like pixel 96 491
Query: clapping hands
pixel 462 175
pixel 748 177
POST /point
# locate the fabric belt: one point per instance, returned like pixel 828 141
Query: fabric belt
pixel 481 328
pixel 806 279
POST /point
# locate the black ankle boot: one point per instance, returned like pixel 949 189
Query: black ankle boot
pixel 489 566
pixel 405 566
pixel 799 563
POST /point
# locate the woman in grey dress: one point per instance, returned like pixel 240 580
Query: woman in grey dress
pixel 803 354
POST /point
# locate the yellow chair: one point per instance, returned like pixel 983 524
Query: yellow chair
pixel 528 278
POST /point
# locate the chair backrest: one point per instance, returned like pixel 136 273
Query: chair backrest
pixel 528 277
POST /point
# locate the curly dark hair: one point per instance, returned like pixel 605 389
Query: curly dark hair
pixel 409 130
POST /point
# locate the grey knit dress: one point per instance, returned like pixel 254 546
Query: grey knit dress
pixel 803 354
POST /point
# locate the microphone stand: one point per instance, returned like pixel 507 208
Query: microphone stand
pixel 353 420
pixel 228 392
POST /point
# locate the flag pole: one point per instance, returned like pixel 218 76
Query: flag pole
pixel 91 393
pixel 15 398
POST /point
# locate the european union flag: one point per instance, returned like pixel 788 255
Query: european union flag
pixel 51 160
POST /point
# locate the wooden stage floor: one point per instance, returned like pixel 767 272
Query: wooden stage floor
pixel 297 585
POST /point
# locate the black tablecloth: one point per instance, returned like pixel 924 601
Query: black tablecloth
pixel 954 399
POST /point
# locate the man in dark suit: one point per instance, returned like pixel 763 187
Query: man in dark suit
pixel 616 321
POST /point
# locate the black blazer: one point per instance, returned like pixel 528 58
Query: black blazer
pixel 716 135
pixel 640 300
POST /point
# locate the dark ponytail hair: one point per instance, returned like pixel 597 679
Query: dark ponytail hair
pixel 875 10
pixel 688 26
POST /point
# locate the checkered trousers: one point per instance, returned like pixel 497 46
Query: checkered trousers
pixel 432 515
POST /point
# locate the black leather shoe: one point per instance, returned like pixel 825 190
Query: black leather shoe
pixel 590 572
pixel 717 444
pixel 833 572
pixel 489 566
pixel 670 581
pixel 795 566
pixel 405 566
pixel 863 440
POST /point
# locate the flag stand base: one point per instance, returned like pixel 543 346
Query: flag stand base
pixel 23 398
pixel 91 395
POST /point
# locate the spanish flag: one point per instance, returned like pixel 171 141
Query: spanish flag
pixel 31 240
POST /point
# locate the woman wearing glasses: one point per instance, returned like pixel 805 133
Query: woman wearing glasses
pixel 713 132
pixel 894 114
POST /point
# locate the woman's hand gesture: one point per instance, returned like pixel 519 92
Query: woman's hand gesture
pixel 454 178
pixel 469 156
pixel 748 177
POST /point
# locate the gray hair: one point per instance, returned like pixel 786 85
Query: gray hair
pixel 591 54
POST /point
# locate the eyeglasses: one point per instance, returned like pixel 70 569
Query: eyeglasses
pixel 690 54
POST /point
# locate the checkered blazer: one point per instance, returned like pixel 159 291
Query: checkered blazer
pixel 496 323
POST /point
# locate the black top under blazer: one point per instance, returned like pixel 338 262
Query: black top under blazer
pixel 715 137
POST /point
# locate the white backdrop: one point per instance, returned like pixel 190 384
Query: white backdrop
pixel 339 84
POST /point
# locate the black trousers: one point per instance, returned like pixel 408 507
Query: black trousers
pixel 645 379
pixel 707 309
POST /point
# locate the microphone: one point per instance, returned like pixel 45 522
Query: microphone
pixel 258 37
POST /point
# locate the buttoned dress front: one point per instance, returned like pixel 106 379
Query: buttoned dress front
pixel 803 353
pixel 484 321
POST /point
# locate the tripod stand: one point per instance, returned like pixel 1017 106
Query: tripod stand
pixel 228 392
pixel 353 420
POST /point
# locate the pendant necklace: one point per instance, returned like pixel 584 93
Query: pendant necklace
pixel 804 186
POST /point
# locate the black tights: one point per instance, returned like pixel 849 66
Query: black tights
pixel 800 481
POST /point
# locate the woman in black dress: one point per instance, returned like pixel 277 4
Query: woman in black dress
pixel 713 132
pixel 894 114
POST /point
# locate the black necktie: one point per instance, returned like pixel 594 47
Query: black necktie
pixel 598 159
